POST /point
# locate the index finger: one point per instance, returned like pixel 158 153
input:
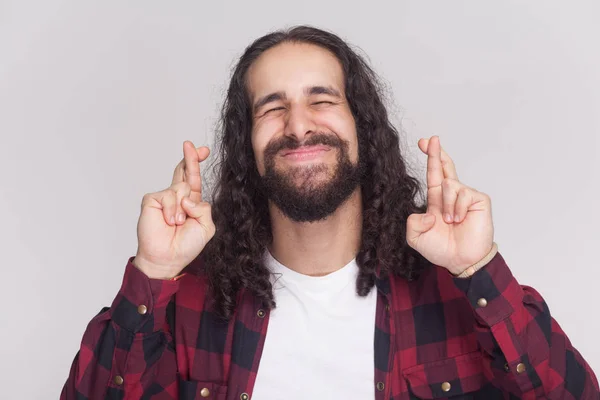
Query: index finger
pixel 435 172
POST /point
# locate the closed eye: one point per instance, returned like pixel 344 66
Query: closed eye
pixel 323 102
pixel 275 109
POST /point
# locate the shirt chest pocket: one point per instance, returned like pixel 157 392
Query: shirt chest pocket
pixel 459 377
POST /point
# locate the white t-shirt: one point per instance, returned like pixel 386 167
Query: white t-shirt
pixel 320 337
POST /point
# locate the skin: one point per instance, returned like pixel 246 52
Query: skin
pixel 175 224
pixel 316 248
pixel 460 231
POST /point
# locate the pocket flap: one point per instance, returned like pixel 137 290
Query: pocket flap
pixel 446 378
pixel 193 390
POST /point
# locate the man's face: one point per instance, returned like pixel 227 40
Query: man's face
pixel 303 135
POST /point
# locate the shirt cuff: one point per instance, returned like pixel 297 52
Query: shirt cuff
pixel 493 291
pixel 141 304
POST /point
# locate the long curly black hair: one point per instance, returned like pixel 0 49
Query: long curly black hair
pixel 233 259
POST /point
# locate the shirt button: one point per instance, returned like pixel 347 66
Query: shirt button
pixel 260 313
pixel 142 309
pixel 482 302
pixel 244 396
pixel 118 380
pixel 520 368
pixel 205 392
pixel 446 386
pixel 380 386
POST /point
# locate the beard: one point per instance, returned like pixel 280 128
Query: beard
pixel 302 193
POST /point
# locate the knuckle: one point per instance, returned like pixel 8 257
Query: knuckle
pixel 168 197
pixel 189 172
pixel 447 183
pixel 146 199
pixel 412 219
pixel 181 188
pixel 149 197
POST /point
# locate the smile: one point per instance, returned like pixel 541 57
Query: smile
pixel 305 153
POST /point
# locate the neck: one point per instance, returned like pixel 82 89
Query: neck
pixel 318 248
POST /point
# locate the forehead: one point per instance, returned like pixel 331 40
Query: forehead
pixel 291 67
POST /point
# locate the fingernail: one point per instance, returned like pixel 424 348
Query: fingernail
pixel 172 220
pixel 456 218
pixel 180 217
pixel 448 217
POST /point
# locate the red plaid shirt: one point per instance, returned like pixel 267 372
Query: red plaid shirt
pixel 485 337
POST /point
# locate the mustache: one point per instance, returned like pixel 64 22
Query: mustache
pixel 289 143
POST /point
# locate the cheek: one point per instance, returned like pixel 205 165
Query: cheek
pixel 258 150
pixel 344 126
pixel 262 133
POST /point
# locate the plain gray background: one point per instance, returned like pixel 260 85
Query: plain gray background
pixel 96 99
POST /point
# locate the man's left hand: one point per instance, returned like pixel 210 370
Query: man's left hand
pixel 467 236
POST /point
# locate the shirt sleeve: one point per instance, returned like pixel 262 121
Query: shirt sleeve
pixel 124 344
pixel 514 320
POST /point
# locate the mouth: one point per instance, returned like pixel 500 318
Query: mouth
pixel 305 153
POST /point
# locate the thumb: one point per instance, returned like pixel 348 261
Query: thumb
pixel 417 224
pixel 199 211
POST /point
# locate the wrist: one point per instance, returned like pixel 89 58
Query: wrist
pixel 154 271
pixel 468 272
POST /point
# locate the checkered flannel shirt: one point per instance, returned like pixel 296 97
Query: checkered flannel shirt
pixel 485 337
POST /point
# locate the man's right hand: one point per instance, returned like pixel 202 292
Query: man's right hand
pixel 175 224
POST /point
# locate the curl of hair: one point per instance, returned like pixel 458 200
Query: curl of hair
pixel 233 259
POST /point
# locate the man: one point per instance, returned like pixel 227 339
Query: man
pixel 325 278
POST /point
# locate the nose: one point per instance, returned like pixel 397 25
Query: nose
pixel 299 123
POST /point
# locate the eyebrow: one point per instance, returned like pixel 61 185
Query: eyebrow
pixel 309 91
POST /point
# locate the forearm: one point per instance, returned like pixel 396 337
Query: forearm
pixel 123 344
pixel 514 321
